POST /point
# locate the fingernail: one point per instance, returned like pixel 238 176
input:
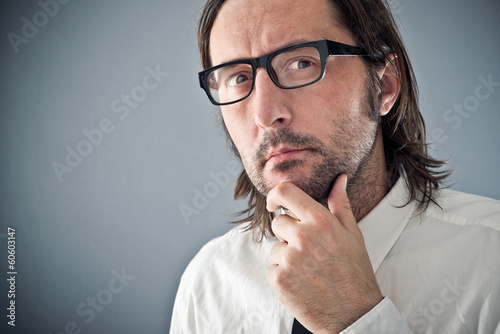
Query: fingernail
pixel 345 183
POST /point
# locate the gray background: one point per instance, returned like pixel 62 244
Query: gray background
pixel 119 208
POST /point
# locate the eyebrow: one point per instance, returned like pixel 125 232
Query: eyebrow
pixel 294 42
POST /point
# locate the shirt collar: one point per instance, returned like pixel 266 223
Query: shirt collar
pixel 382 226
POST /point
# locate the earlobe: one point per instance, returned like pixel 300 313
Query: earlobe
pixel 391 84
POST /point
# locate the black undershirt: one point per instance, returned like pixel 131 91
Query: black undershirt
pixel 298 328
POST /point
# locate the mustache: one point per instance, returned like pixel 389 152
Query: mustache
pixel 285 136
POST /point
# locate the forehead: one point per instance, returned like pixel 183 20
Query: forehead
pixel 251 28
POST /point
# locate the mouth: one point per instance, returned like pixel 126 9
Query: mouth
pixel 284 153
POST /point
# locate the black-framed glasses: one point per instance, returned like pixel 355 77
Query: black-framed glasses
pixel 291 67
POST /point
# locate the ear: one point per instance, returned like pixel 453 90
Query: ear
pixel 391 84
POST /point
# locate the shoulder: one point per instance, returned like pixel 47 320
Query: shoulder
pixel 225 256
pixel 462 228
pixel 464 209
pixel 236 243
pixel 227 272
pixel 211 251
pixel 446 263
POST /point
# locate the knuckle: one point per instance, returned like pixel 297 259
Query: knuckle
pixel 288 260
pixel 319 220
pixel 283 188
pixel 278 224
pixel 270 273
pixel 301 239
pixel 281 279
pixel 275 223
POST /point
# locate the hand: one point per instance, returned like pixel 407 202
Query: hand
pixel 322 274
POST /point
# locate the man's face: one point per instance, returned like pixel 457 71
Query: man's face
pixel 307 135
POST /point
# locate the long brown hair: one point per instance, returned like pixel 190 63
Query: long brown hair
pixel 403 128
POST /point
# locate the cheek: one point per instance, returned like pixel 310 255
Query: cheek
pixel 330 105
pixel 341 96
pixel 239 130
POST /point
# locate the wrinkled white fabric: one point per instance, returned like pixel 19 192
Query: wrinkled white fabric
pixel 439 272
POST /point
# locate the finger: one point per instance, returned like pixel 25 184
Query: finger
pixel 284 227
pixel 340 206
pixel 271 272
pixel 294 199
pixel 277 252
pixel 285 211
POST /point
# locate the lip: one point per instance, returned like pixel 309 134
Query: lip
pixel 283 153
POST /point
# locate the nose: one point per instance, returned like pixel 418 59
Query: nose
pixel 270 104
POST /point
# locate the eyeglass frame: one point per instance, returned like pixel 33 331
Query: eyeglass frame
pixel 325 47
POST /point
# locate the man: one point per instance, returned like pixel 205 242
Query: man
pixel 319 101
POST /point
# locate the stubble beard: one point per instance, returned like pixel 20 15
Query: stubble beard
pixel 348 151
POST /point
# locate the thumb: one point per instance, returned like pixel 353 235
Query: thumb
pixel 340 206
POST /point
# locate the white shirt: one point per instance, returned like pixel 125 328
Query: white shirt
pixel 439 272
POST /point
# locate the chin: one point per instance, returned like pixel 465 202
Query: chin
pixel 300 180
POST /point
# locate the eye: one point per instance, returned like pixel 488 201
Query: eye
pixel 300 64
pixel 237 79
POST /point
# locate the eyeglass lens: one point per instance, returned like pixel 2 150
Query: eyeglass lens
pixel 288 69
